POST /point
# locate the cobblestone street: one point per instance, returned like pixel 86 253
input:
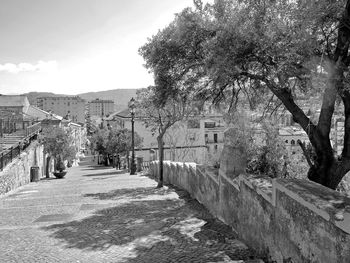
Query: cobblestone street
pixel 98 214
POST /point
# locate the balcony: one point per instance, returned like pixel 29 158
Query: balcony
pixel 211 141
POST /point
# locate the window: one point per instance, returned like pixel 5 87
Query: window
pixel 209 125
pixel 192 136
pixel 215 138
pixel 292 142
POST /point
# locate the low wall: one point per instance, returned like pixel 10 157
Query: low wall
pixel 289 220
pixel 17 173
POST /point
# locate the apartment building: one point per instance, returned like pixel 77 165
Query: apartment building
pixel 72 108
pixel 100 108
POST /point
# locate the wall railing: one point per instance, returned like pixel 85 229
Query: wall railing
pixel 7 155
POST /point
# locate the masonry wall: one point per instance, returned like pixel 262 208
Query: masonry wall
pixel 289 220
pixel 17 173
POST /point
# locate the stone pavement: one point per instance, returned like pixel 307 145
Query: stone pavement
pixel 98 214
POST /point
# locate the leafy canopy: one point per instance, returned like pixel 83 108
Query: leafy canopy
pixel 58 143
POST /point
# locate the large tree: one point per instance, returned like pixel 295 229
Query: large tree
pixel 289 48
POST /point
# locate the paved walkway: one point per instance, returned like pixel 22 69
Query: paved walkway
pixel 98 214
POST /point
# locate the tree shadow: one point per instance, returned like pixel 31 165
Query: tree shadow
pixel 133 193
pixel 114 172
pixel 85 162
pixel 153 226
pixel 97 167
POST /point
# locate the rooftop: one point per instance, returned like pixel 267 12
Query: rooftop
pixel 13 101
pixel 61 97
pixel 36 113
pixel 122 114
pixel 101 101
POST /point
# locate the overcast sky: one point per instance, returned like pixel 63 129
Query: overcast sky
pixel 76 46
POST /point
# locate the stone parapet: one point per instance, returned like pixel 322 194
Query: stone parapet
pixel 287 219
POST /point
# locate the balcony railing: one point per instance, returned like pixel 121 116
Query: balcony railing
pixel 207 141
pixel 145 165
pixel 33 129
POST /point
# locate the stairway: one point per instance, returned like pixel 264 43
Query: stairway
pixel 9 140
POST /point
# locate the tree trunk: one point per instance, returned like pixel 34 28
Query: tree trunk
pixel 47 170
pixel 161 159
pixel 329 173
pixel 327 169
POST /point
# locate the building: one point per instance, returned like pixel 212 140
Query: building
pixel 199 139
pixel 12 113
pixel 337 134
pixel 34 114
pixel 72 108
pixel 13 106
pixel 100 108
pixel 290 136
pixel 78 133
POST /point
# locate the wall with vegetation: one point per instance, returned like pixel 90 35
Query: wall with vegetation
pixel 17 173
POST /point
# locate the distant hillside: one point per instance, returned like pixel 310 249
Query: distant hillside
pixel 121 97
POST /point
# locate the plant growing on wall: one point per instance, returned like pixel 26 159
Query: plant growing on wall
pixel 58 144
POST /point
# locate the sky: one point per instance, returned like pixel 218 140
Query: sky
pixel 76 46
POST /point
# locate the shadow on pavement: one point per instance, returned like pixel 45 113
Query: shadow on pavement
pixel 134 193
pixel 47 179
pixel 114 172
pixel 97 167
pixel 153 226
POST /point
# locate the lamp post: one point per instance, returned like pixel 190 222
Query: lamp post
pixel 132 111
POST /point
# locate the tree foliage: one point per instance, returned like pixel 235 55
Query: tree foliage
pixel 58 143
pixel 114 141
pixel 119 141
pixel 259 49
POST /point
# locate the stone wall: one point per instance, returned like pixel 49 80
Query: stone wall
pixel 17 173
pixel 289 220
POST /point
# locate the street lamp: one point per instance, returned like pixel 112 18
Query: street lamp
pixel 132 111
